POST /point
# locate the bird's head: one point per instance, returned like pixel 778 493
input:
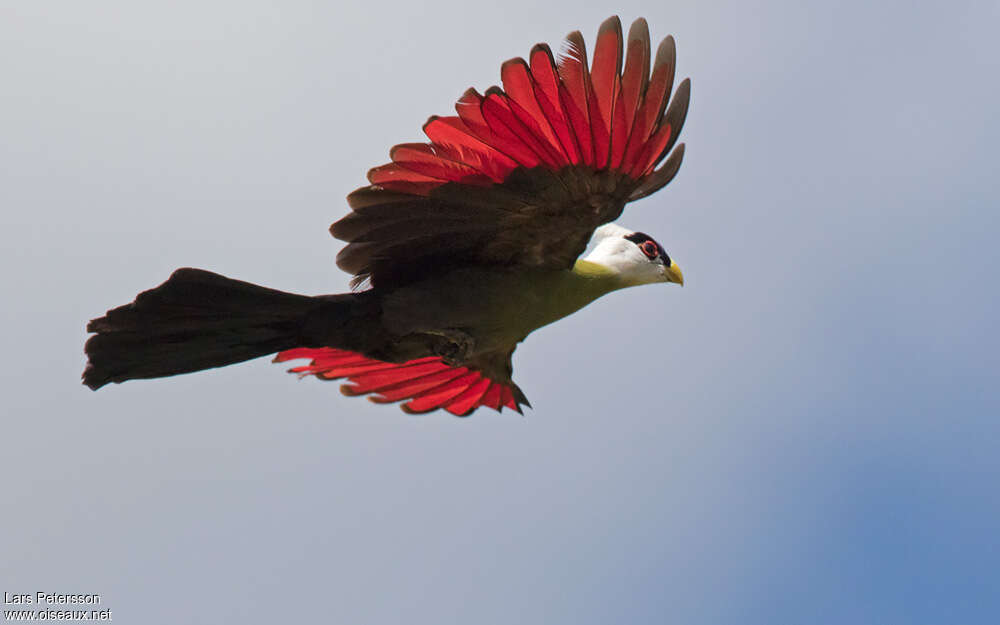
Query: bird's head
pixel 635 257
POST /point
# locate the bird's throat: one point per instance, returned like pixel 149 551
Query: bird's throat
pixel 595 271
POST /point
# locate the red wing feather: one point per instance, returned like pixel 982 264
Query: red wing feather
pixel 574 90
pixel 520 87
pixel 471 398
pixel 428 160
pixel 605 74
pixel 452 134
pixel 411 387
pixel 507 398
pixel 441 396
pixel 509 135
pixel 635 77
pixel 428 383
pixel 392 172
pixel 654 101
pixel 491 398
pixel 650 154
pixel 543 71
pixel 521 126
pixel 548 114
pixel 470 110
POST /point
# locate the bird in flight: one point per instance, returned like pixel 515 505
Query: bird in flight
pixel 460 247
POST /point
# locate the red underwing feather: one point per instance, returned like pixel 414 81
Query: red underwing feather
pixel 440 396
pixel 635 77
pixel 478 159
pixel 428 383
pixel 451 132
pixel 619 133
pixel 659 177
pixel 662 141
pixel 460 381
pixel 391 172
pixel 464 403
pixel 484 123
pixel 408 388
pixel 351 370
pixel 425 159
pixel 333 357
pixel 499 109
pixel 491 398
pixel 604 77
pixel 653 103
pixel 660 82
pixel 609 115
pixel 574 92
pixel 389 377
pixel 520 88
pixel 547 94
pixel 553 154
pixel 507 398
pixel 392 176
pixel 469 109
pixel 503 125
pixel 599 134
pixel 652 152
pixel 524 124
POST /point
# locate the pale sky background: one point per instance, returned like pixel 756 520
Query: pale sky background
pixel 808 432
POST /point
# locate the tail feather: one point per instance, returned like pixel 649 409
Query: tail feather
pixel 195 320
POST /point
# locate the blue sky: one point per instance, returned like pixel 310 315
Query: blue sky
pixel 807 432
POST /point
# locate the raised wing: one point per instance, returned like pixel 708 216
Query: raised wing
pixel 523 174
pixel 425 383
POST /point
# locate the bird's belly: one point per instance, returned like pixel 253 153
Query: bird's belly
pixel 496 308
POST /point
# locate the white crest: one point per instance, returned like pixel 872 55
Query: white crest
pixel 609 230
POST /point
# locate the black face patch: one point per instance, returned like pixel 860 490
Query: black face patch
pixel 641 238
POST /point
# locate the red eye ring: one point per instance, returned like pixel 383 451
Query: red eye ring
pixel 649 249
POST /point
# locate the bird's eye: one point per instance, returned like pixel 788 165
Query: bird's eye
pixel 649 249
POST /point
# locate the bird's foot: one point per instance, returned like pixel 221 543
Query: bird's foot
pixel 453 346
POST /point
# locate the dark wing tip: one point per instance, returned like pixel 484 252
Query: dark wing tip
pixel 514 61
pixel 92 379
pixel 613 23
pixel 661 177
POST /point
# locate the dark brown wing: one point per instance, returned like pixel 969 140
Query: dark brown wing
pixel 524 174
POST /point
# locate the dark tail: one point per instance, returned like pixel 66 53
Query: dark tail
pixel 199 320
